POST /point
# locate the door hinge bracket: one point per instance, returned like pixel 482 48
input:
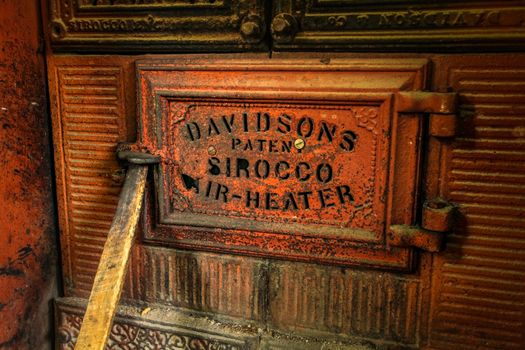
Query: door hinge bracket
pixel 440 107
pixel 437 220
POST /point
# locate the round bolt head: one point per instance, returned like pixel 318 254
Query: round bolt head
pixel 281 26
pixel 299 144
pixel 212 151
pixel 250 29
pixel 284 27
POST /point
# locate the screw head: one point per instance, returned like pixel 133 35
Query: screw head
pixel 299 144
pixel 212 151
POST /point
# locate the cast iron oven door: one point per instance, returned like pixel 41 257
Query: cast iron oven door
pixel 300 159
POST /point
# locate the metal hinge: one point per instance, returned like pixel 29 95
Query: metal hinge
pixel 441 108
pixel 437 220
pixel 437 214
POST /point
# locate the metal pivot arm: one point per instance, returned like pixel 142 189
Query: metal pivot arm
pixel 113 262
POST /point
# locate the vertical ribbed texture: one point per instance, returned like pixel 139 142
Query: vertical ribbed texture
pixel 480 298
pixel 364 304
pixel 91 105
pixel 204 282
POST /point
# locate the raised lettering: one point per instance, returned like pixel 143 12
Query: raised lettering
pixel 214 168
pixel 305 122
pixel 348 142
pixel 266 169
pixel 249 199
pixel 228 123
pixel 242 166
pixel 190 182
pixel 300 174
pixel 284 122
pixel 343 192
pixel 324 173
pixel 194 131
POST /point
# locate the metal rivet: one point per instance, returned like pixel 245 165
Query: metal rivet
pixel 284 27
pixel 281 26
pixel 251 29
pixel 299 143
pixel 212 151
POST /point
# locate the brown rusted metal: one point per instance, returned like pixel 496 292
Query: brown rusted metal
pixel 469 295
pixel 426 102
pixel 281 160
pixel 437 220
pixel 112 267
pixel 413 236
pixel 189 25
pixel 28 242
pixel 383 25
pixel 442 125
pixel 438 215
pixel 477 282
pixel 89 177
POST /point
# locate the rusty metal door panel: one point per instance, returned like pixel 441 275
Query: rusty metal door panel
pixel 384 25
pixel 146 26
pixel 258 157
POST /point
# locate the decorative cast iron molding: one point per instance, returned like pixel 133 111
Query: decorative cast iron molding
pixel 157 25
pixel 131 333
pixel 364 25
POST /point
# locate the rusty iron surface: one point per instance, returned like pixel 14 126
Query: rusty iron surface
pixel 478 283
pixel 28 236
pixel 240 25
pixel 469 296
pixel 135 328
pixel 383 25
pixel 112 268
pixel 131 26
pixel 261 158
pixel 91 114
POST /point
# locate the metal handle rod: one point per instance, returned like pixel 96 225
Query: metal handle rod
pixel 113 263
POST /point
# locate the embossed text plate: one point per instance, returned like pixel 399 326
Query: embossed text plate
pixel 153 25
pixel 398 25
pixel 286 158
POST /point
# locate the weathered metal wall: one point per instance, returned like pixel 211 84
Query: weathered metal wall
pixel 471 296
pixel 27 229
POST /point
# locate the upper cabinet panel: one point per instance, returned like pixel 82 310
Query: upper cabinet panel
pixel 157 25
pixel 396 25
